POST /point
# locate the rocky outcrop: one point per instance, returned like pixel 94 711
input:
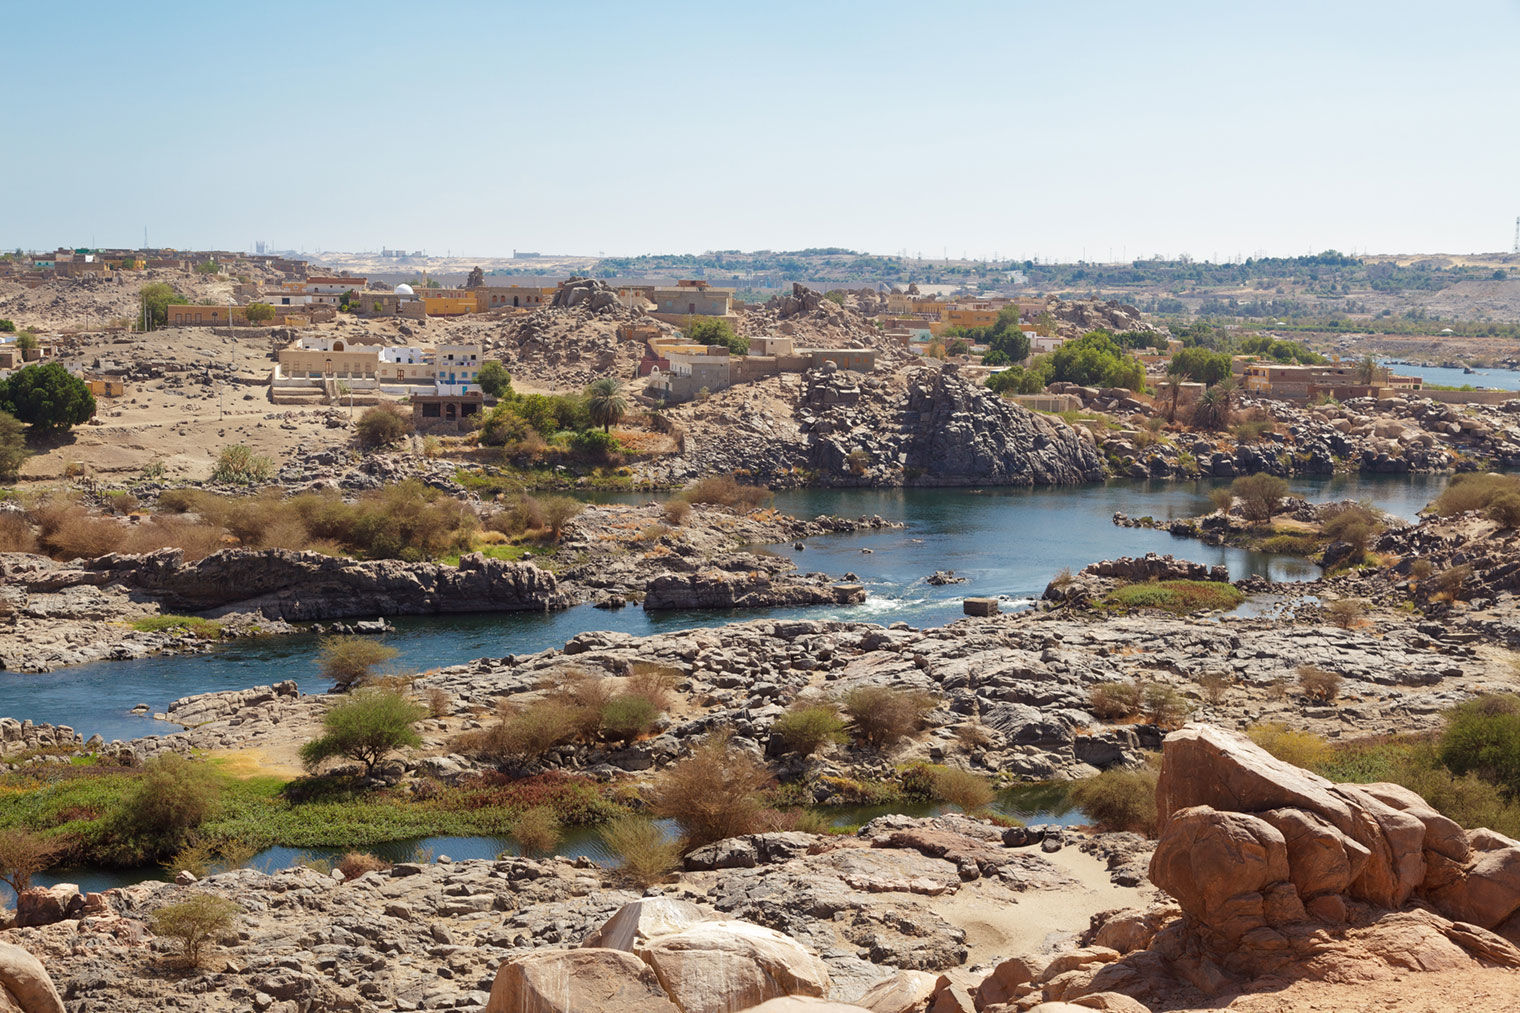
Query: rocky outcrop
pixel 24 983
pixel 925 426
pixel 1281 873
pixel 297 586
pixel 723 589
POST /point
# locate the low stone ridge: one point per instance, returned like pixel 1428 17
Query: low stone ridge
pixel 724 589
pixel 298 586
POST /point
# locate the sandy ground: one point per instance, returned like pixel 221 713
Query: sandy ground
pixel 1039 921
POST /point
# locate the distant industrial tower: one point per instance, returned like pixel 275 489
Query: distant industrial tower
pixel 1517 235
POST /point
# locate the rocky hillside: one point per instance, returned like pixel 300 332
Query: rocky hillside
pixel 923 426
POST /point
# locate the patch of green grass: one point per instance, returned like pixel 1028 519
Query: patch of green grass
pixel 205 629
pixel 508 480
pixel 507 552
pixel 1290 545
pixel 1179 597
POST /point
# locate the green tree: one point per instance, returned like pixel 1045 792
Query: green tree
pixel 259 312
pixel 606 405
pixel 157 815
pixel 1200 364
pixel 350 660
pixel 1094 360
pixel 47 397
pixel 12 445
pixel 157 298
pixel 1368 371
pixel 26 341
pixel 494 379
pixel 207 267
pixel 194 922
pixel 716 331
pixel 366 727
pixel 1016 380
pixel 7 326
pixel 1259 495
pixel 1214 408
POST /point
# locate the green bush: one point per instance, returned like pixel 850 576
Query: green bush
pixel 13 452
pixel 1260 495
pixel 1482 736
pixel 239 465
pixel 350 661
pixel 807 728
pixel 366 727
pixel 713 331
pixel 502 426
pixel 968 791
pixel 1119 800
pixel 643 853
pixel 159 811
pixel 494 379
pixel 205 629
pixel 626 717
pixel 882 715
pixel 195 922
pixel 384 425
pixel 1179 597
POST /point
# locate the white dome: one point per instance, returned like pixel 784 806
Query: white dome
pixel 404 290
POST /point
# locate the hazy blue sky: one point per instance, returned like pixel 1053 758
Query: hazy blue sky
pixel 1028 129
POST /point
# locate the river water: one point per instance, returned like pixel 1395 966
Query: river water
pixel 1005 542
pixel 1445 376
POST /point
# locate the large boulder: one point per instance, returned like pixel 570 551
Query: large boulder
pixel 24 983
pixel 638 921
pixel 582 980
pixel 720 966
pixel 44 905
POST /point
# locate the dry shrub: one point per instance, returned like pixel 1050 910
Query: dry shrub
pixel 1346 612
pixel 75 534
pixel 1319 684
pixel 16 534
pixel 961 788
pixel 350 661
pixel 536 830
pixel 1119 800
pixel 643 853
pixel 807 728
pixel 1302 749
pixel 195 539
pixel 524 513
pixel 882 715
pixel 1213 686
pixel 677 510
pixel 726 491
pixel 627 716
pixel 713 794
pixel 654 681
pixel 524 733
pixel 559 511
pixel 439 703
pixel 357 863
pixel 1164 705
pixel 973 736
pixel 1421 569
pixel 1113 701
pixel 23 854
pixel 1453 583
pixel 1474 491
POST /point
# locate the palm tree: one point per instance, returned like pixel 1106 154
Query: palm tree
pixel 1368 371
pixel 605 404
pixel 1212 411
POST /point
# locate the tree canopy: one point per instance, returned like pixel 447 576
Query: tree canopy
pixel 158 297
pixel 1094 360
pixel 47 397
pixel 714 331
pixel 1200 364
pixel 605 404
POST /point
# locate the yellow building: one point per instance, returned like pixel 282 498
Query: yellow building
pixel 109 387
pixel 448 302
pixel 968 316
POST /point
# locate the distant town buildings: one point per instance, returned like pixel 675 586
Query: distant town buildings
pixel 678 370
pixel 1339 380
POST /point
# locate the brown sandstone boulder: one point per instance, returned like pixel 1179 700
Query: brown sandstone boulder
pixel 1321 859
pixel 1219 866
pixel 1227 771
pixel 637 922
pixel 24 983
pixel 1488 894
pixel 804 1004
pixel 720 966
pixel 44 905
pixel 904 992
pixel 578 981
